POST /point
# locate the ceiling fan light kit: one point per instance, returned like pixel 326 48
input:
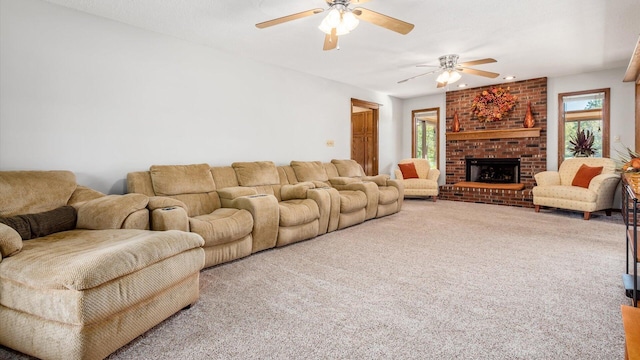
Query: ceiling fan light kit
pixel 341 20
pixel 450 70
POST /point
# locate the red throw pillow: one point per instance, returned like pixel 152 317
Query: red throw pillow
pixel 408 171
pixel 585 174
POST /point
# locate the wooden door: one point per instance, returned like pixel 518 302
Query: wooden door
pixel 364 136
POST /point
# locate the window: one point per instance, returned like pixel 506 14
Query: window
pixel 425 135
pixel 583 111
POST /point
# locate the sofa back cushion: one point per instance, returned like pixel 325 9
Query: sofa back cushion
pixel 309 171
pixel 287 175
pixel 181 179
pixel 331 170
pixel 348 168
pixel 570 167
pixel 191 184
pixel 140 182
pixel 28 192
pixel 224 176
pixel 256 173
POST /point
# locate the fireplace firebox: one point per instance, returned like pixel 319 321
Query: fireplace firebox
pixel 493 170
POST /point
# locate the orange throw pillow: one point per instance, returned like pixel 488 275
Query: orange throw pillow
pixel 585 174
pixel 408 171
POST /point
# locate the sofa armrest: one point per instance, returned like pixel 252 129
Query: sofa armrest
pixel 10 241
pixel 169 218
pixel 339 181
pixel 380 180
pixel 168 214
pixel 159 202
pixel 297 191
pixel 266 218
pixel 398 174
pixel 109 211
pixel 231 193
pixel 547 178
pixel 83 194
pixel 434 174
pixel 321 184
pixel 599 182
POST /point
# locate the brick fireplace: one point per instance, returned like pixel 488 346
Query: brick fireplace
pixel 504 139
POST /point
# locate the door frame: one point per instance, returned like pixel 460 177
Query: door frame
pixel 374 107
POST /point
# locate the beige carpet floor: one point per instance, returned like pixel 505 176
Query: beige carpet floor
pixel 443 280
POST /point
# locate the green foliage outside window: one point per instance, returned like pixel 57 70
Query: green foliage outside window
pixel 426 142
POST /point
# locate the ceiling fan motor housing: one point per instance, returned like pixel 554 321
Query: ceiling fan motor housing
pixel 448 62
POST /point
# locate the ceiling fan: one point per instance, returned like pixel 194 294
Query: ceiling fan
pixel 450 70
pixel 342 19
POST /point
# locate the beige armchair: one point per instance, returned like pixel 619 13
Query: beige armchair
pixel 577 189
pixel 426 184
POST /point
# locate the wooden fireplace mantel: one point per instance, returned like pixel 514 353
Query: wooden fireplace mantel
pixel 494 134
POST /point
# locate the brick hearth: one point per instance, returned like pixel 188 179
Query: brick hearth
pixel 531 150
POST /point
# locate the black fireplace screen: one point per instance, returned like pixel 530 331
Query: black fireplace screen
pixel 493 170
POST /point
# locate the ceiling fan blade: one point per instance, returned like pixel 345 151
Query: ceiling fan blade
pixel 478 62
pixel 478 72
pixel 330 40
pixel 385 21
pixel 411 78
pixel 425 65
pixel 284 19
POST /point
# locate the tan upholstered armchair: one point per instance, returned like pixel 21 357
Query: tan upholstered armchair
pixel 574 187
pixel 423 183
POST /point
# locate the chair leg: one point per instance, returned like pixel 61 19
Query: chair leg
pixel 435 198
pixel 608 212
pixel 587 215
pixel 537 208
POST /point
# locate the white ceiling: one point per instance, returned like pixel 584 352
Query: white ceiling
pixel 528 38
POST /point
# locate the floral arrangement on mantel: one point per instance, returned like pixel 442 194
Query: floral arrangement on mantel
pixel 493 104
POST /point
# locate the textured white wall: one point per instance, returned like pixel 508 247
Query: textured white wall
pixel 101 98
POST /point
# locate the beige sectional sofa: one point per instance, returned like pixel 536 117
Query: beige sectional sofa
pixel 287 203
pixel 79 274
pixel 86 289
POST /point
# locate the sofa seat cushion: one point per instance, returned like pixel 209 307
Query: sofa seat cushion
pixel 388 195
pixel 84 259
pixel 298 212
pixel 222 226
pixel 351 201
pixel 575 193
pixel 419 184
